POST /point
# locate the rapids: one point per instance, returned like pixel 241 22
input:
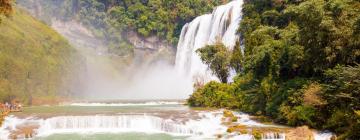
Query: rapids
pixel 164 118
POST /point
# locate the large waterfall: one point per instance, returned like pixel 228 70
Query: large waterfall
pixel 220 26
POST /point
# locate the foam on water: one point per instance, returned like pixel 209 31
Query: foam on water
pixel 323 135
pixel 9 123
pixel 207 125
pixel 153 103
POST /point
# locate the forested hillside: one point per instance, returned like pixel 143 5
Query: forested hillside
pixel 36 63
pixel 299 65
pixel 113 19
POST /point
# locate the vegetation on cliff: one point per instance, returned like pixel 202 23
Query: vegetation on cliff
pixel 35 61
pixel 113 19
pixel 300 65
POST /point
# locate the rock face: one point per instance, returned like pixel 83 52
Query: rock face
pixel 78 34
pixel 150 43
pixel 300 133
pixel 150 49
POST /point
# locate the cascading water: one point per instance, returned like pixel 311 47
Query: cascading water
pixel 122 123
pixel 220 26
pixel 206 125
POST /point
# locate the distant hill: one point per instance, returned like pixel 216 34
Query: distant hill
pixel 35 61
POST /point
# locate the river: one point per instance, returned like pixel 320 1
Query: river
pixel 130 120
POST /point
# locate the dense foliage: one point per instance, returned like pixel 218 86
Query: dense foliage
pixel 35 61
pixel 160 17
pixel 217 58
pixel 113 19
pixel 299 66
pixel 5 8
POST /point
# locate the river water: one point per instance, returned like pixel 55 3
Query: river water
pixel 140 120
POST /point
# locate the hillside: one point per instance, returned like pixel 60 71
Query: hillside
pixel 118 22
pixel 34 60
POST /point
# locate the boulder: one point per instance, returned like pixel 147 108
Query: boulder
pixel 300 133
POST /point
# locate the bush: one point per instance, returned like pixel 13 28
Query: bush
pixel 213 94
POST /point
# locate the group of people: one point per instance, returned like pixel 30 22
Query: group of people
pixel 10 107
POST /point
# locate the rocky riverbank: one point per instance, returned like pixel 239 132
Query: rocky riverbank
pixel 2 116
pixel 267 131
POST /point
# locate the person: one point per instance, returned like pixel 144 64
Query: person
pixel 18 107
pixel 7 106
pixel 11 107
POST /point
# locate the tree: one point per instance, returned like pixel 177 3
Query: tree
pixel 343 100
pixel 5 8
pixel 217 58
pixel 236 61
pixel 300 64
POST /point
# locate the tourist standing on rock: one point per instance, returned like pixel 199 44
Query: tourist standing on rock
pixel 19 106
pixel 7 106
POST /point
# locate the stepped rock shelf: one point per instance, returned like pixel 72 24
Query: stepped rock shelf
pixel 168 119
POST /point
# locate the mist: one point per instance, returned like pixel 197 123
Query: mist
pixel 104 76
pixel 156 81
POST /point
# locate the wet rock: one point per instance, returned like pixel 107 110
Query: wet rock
pixel 229 117
pixel 3 114
pixel 228 113
pixel 257 134
pixel 300 133
pixel 237 128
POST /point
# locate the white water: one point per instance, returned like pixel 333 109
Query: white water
pixel 109 124
pixel 221 26
pixel 153 103
pixel 208 125
pixel 323 135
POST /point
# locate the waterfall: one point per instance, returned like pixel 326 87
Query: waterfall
pixel 273 136
pixel 205 125
pixel 122 123
pixel 207 29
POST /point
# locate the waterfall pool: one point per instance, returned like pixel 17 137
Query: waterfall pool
pixel 157 120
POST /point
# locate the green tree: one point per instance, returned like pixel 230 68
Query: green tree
pixel 236 61
pixel 217 58
pixel 343 98
pixel 5 8
pixel 300 63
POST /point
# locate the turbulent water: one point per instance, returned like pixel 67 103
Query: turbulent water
pixel 131 120
pixel 220 26
pixel 170 118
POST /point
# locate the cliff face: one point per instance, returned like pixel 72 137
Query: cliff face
pixel 150 43
pixel 150 49
pixel 145 50
pixel 78 35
